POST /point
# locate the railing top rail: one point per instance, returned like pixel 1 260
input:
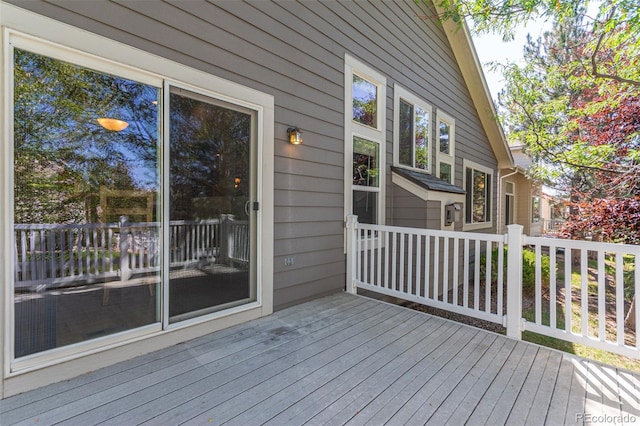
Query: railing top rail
pixel 583 244
pixel 433 232
pixel 113 225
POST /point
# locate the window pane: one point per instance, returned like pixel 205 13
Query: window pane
pixel 535 209
pixel 479 196
pixel 365 102
pixel 85 204
pixel 445 133
pixel 209 170
pixel 365 162
pixel 365 206
pixel 406 134
pixel 509 209
pixel 421 139
pixel 445 172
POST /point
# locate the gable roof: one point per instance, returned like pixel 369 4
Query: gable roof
pixel 465 53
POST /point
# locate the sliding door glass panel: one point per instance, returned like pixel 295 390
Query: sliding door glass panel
pixel 86 173
pixel 210 214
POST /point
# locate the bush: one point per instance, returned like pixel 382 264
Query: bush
pixel 528 269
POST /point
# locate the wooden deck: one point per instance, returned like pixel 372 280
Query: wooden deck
pixel 337 360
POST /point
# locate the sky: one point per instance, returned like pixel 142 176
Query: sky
pixel 491 48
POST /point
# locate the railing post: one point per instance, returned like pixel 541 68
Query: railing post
pixel 352 235
pixel 125 270
pixel 514 281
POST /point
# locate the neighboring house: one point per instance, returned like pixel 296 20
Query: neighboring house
pixel 176 118
pixel 539 208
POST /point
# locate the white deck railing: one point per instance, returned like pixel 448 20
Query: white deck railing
pixel 53 254
pixel 452 271
pixel 465 273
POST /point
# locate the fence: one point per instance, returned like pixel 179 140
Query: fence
pixel 53 254
pixel 580 291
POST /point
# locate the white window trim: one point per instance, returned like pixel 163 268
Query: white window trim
pixel 352 128
pixel 475 166
pixel 52 38
pixel 400 93
pixel 440 156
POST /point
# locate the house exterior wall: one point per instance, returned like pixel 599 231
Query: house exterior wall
pixel 295 51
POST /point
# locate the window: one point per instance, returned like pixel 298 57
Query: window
pixel 509 203
pixel 364 135
pixel 478 185
pixel 125 185
pixel 535 209
pixel 412 131
pixel 445 147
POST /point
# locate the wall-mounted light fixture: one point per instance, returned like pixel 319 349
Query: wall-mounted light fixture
pixel 295 135
pixel 113 124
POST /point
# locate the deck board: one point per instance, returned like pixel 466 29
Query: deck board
pixel 341 359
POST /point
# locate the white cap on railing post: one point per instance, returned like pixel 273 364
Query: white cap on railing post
pixel 352 235
pixel 514 281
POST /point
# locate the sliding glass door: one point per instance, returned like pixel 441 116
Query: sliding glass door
pixel 210 213
pixel 132 204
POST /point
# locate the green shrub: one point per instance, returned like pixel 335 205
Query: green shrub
pixel 528 269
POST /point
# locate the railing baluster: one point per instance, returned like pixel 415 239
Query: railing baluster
pixel 636 295
pixel 487 279
pixel 476 278
pixel 620 299
pixel 568 296
pixel 386 259
pixel 445 271
pixel 436 268
pixel 500 288
pixel 402 264
pixel 465 275
pixel 410 265
pixel 371 253
pixel 602 313
pixel 379 278
pixel 584 292
pixel 552 287
pixel 427 264
pixel 538 284
pixel 456 268
pixel 418 265
pixel 394 261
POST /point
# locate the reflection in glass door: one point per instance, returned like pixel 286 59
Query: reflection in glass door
pixel 210 209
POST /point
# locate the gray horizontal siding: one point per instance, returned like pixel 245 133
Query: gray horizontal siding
pixel 295 51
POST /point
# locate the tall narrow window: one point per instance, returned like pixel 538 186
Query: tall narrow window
pixel 364 137
pixel 478 186
pixel 445 151
pixel 509 203
pixel 86 173
pixel 412 131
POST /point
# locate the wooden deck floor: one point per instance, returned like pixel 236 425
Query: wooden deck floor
pixel 339 360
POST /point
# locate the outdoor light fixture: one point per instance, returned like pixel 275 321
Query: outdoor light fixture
pixel 113 124
pixel 295 135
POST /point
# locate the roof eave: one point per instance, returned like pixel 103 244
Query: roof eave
pixel 465 53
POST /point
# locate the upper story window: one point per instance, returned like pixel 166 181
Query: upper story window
pixel 478 181
pixel 365 90
pixel 446 144
pixel 365 101
pixel 411 131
